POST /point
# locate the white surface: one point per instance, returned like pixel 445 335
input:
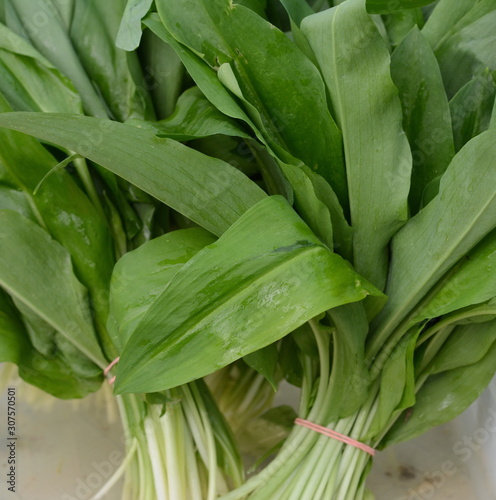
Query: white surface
pixel 66 449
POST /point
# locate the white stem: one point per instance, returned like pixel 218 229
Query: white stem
pixel 156 460
pixel 118 473
pixel 172 462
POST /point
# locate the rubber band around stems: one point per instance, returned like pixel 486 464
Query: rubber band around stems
pixel 109 367
pixel 335 435
pixel 299 421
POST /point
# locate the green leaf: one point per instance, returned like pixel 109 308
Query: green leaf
pixel 297 10
pixel 471 108
pixel 129 35
pixel 140 276
pixel 467 52
pixel 30 82
pixel 208 191
pixel 433 241
pixel 164 73
pixel 445 396
pixel 397 389
pixel 13 337
pixel 465 346
pixel 12 199
pixel 308 205
pixel 195 117
pixel 116 73
pixel 355 64
pixel 388 6
pixel 38 271
pixel 64 210
pixel 264 361
pixel 204 76
pixel 263 278
pixel 399 24
pixel 472 281
pixel 51 38
pixel 448 17
pixel 53 372
pixel 289 361
pixel 282 84
pixel 426 113
pixel 53 345
pixel 350 379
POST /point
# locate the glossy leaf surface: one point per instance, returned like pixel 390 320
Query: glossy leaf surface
pixel 140 276
pixel 281 83
pixel 461 215
pixel 264 277
pixel 38 271
pixel 355 62
pixel 208 191
pixel 415 72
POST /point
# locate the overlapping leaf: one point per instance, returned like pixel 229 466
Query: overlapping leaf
pixel 264 277
pixel 355 64
pixel 208 191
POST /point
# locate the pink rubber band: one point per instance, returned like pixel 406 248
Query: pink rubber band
pixel 109 367
pixel 335 435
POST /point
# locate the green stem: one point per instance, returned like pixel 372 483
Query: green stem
pixel 453 319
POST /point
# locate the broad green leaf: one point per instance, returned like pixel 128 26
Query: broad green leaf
pixel 52 373
pixel 426 112
pixel 448 17
pixel 13 337
pixel 116 73
pixel 445 396
pixel 66 212
pixel 38 271
pixel 282 84
pixel 230 149
pixel 164 73
pixel 195 117
pixel 445 15
pixel 263 278
pixel 129 35
pixel 208 191
pixel 355 64
pixel 257 6
pixel 467 52
pixel 297 10
pixel 12 199
pixel 465 346
pixel 52 344
pixel 204 76
pixel 290 361
pixel 399 24
pixel 319 207
pixel 472 281
pixel 310 208
pixel 140 276
pixel 270 168
pixel 264 361
pixel 397 384
pixel 350 379
pixel 29 81
pixel 388 6
pixel 462 214
pixel 228 78
pixel 472 107
pixel 51 38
